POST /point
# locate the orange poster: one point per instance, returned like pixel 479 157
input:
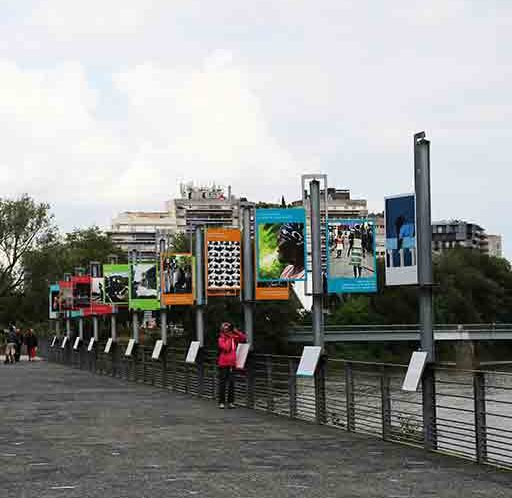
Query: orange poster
pixel 223 261
pixel 177 278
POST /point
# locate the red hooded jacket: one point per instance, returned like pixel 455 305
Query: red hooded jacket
pixel 228 342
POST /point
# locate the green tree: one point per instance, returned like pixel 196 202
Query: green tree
pixel 24 226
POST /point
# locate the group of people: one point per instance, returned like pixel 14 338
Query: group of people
pixel 15 339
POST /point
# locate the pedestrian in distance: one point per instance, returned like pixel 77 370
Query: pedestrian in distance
pixel 229 338
pixel 31 343
pixel 10 349
pixel 19 345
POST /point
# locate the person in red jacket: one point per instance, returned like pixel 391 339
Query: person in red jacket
pixel 229 338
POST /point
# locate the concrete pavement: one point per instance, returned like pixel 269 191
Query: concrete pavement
pixel 67 433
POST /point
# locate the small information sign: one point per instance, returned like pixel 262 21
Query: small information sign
pixel 242 352
pixel 77 344
pixel 108 346
pixel 129 348
pixel 91 344
pixel 415 371
pixel 309 361
pixel 157 349
pixel 64 342
pixel 52 345
pixel 192 352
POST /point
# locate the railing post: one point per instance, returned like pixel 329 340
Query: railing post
pixel 429 408
pixel 270 394
pixel 350 398
pixel 250 365
pixel 164 366
pixel 320 401
pixel 386 404
pixel 292 388
pixel 200 371
pixel 480 417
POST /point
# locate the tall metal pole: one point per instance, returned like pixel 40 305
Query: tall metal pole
pixel 425 281
pixel 81 328
pixel 113 327
pixel 68 326
pixel 316 259
pixel 135 317
pixel 424 229
pixel 163 308
pixel 200 291
pixel 95 328
pixel 248 275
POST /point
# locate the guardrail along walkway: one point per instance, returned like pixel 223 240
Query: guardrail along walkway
pixel 67 433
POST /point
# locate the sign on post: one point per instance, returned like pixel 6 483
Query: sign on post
pixel 157 349
pixel 309 361
pixel 129 348
pixel 108 346
pixel 192 352
pixel 242 351
pixel 52 345
pixel 415 371
pixel 77 344
pixel 91 344
pixel 64 342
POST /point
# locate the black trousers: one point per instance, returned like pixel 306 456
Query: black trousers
pixel 226 382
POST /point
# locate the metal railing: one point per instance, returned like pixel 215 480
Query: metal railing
pixel 473 417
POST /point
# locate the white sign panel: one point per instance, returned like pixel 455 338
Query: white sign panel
pixel 129 348
pixel 52 345
pixel 108 346
pixel 192 352
pixel 401 247
pixel 241 355
pixel 64 342
pixel 415 371
pixel 157 349
pixel 91 344
pixel 309 361
pixel 77 343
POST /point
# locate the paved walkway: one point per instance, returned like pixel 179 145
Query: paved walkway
pixel 66 433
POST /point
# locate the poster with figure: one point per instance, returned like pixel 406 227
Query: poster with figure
pixel 351 256
pixel 177 279
pixel 280 244
pixel 97 293
pixel 66 295
pixel 400 222
pixel 116 284
pixel 54 301
pixel 223 261
pixel 144 286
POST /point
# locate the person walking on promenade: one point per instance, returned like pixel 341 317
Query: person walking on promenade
pixel 229 338
pixel 31 343
pixel 10 349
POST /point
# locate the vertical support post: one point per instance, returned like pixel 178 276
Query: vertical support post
pixel 350 398
pixel 320 399
pixel 480 417
pixel 248 274
pixel 385 392
pixel 425 281
pixel 68 328
pixel 200 291
pixel 57 327
pixel 135 326
pixel 163 325
pixel 95 328
pixel 113 327
pixel 292 388
pixel 316 259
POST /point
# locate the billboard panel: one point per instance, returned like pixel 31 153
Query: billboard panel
pixel 351 256
pixel 223 261
pixel 81 292
pixel 97 292
pixel 177 278
pixel 54 301
pixel 66 295
pixel 144 286
pixel 116 284
pixel 280 245
pixel 400 221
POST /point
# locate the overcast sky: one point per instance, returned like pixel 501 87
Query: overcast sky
pixel 106 105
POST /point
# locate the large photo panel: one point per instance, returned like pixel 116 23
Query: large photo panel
pixel 116 284
pixel 401 254
pixel 177 278
pixel 280 245
pixel 351 256
pixel 144 286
